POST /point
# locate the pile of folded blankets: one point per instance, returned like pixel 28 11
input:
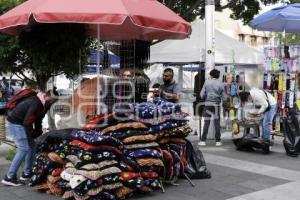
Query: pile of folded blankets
pixel 116 155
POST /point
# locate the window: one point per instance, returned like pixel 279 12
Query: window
pixel 253 41
pixel 265 40
pixel 241 37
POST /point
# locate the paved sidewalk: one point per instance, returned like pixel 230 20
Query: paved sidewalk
pixel 236 175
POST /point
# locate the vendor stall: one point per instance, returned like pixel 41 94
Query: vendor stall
pixel 136 149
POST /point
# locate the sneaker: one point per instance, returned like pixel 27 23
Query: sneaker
pixel 11 181
pixel 266 147
pixel 202 143
pixel 218 144
pixel 25 177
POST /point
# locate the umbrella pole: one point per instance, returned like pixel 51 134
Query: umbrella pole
pixel 98 72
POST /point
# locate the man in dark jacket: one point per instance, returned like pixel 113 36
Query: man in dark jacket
pixel 24 125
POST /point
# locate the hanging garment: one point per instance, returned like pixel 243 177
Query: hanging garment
pixel 284 83
pixel 283 100
pixel 269 81
pixel 292 84
pixel 275 64
pixel 282 52
pixel 291 99
pixel 229 78
pixel 235 128
pixel 298 99
pixel 280 82
pixel 276 96
pixel 290 65
pixel 295 65
pixel 265 84
pixel 275 81
pixel 286 52
pixel 231 114
pixel 288 82
pixel 268 65
pixel 232 89
pixel 287 99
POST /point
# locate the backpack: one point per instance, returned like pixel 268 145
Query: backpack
pixel 23 94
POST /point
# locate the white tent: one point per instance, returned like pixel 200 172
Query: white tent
pixel 227 50
pixel 155 71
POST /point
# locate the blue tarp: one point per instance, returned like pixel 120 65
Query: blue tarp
pixel 113 59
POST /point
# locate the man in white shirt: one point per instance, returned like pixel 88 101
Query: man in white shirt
pixel 268 107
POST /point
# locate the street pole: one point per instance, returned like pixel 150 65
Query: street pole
pixel 209 37
pixel 209 46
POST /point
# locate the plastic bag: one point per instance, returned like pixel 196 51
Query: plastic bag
pixel 291 132
pixel 196 166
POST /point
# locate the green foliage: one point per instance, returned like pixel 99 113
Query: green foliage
pixel 8 4
pixel 44 50
pixel 288 39
pixel 50 49
pixel 242 9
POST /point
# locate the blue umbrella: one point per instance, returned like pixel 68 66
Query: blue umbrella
pixel 284 18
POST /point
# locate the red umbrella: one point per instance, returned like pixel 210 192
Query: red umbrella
pixel 118 19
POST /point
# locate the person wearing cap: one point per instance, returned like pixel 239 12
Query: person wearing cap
pixel 213 92
pixel 24 125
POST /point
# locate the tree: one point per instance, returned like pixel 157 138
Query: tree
pixel 48 50
pixel 241 9
pixel 44 50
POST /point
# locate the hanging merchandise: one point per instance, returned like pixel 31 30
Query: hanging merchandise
pixel 276 96
pixel 239 114
pixel 232 89
pixel 284 82
pixel 275 65
pixel 277 123
pixel 275 82
pixel 236 102
pixel 291 99
pixel 232 114
pixel 229 78
pixel 281 78
pixel 298 99
pixel 280 82
pixel 269 81
pixel 283 100
pixel 235 128
pixel 121 159
pixel 242 77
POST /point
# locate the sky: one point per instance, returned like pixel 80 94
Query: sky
pixel 267 8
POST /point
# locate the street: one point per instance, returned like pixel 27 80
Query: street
pixel 235 176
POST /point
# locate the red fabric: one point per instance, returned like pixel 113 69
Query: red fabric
pixel 90 147
pixel 118 19
pixel 97 120
pixel 150 175
pixel 57 172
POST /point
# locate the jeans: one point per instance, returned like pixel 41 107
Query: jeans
pixel 25 151
pixel 267 122
pixel 211 112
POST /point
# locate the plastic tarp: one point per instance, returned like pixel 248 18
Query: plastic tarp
pixel 291 130
pixel 192 50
